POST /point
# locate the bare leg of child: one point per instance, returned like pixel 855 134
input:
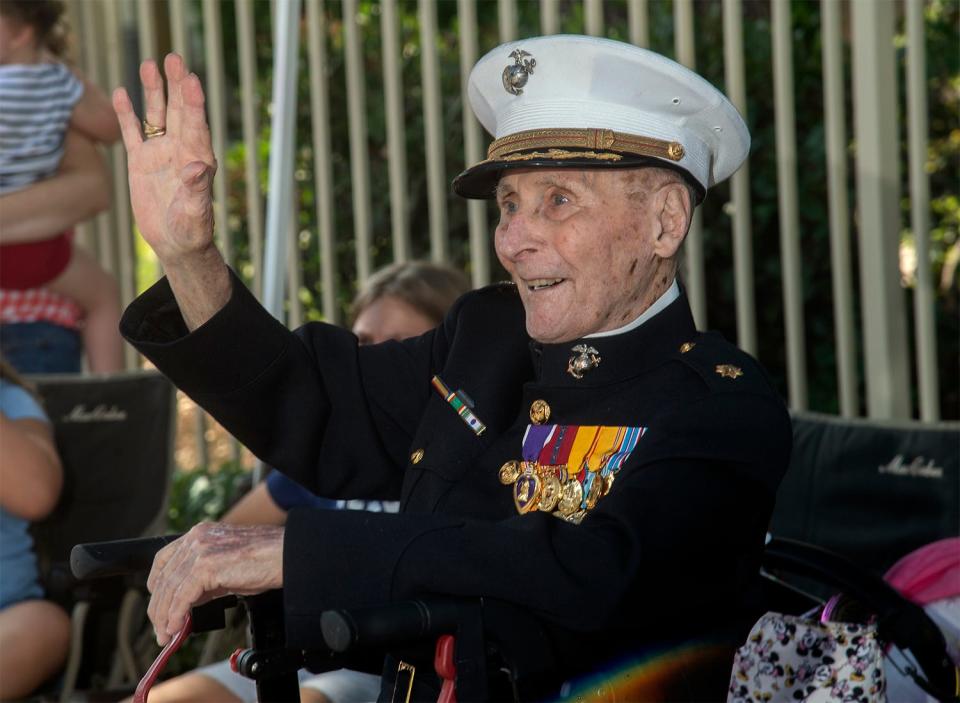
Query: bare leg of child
pixel 34 638
pixel 96 291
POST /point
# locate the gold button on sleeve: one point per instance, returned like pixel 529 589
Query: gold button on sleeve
pixel 416 457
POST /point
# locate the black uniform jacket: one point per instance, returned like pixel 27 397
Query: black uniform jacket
pixel 664 556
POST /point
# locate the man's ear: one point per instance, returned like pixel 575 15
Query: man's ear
pixel 675 214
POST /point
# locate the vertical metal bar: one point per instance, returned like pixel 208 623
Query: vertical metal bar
pixel 146 36
pixel 473 146
pixel 396 136
pixel 683 27
pixel 840 270
pixel 216 108
pixel 433 128
pixel 695 266
pixel 91 43
pixel 878 203
pixel 85 231
pixel 216 82
pixel 787 198
pixel 121 199
pixel 638 17
pixel 323 168
pixel 359 156
pixel 249 99
pixel 507 19
pixel 147 41
pixel 593 17
pixel 200 429
pixel 123 226
pixel 294 270
pixel 923 297
pixel 549 17
pixel 178 29
pixel 286 41
pixel 75 24
pixel 734 73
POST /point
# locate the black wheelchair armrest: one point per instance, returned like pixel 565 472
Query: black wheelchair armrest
pixel 127 557
pixel 491 636
pixel 119 557
pixel 483 628
pixel 392 623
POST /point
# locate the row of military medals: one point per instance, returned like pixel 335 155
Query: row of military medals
pixel 549 487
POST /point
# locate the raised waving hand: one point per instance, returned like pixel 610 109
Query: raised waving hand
pixel 171 167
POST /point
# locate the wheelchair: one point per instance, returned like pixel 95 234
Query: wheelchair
pixel 491 650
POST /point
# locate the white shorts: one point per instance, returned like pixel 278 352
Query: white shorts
pixel 340 686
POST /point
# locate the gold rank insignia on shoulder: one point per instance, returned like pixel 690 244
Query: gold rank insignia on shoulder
pixel 729 371
pixel 584 359
pixel 687 346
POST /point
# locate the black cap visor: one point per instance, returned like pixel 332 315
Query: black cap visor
pixel 480 181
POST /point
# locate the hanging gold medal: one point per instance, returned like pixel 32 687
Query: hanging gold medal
pixel 509 472
pixel 570 497
pixel 550 492
pixel 607 484
pixel 526 492
pixel 594 492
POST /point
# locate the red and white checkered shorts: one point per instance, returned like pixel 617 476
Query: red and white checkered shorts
pixel 39 305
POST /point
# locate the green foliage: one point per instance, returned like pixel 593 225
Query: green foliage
pixel 202 494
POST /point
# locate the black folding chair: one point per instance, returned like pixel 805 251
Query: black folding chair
pixel 115 438
pixel 871 490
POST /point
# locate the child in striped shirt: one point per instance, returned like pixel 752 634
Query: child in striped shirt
pixel 40 99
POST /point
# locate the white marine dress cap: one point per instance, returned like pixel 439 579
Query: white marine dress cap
pixel 570 101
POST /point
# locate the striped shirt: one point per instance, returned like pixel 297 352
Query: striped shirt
pixel 36 101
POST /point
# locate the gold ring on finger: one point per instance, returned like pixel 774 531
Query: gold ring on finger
pixel 150 130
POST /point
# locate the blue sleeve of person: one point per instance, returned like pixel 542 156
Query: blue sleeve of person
pixel 289 494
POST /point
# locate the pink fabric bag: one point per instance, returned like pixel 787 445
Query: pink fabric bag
pixel 930 573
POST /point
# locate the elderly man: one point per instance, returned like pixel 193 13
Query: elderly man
pixel 569 443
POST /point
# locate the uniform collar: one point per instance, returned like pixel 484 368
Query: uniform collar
pixel 647 344
pixel 672 293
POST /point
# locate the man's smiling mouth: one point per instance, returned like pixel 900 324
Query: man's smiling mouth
pixel 536 284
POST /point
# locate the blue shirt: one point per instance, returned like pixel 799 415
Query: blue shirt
pixel 289 494
pixel 18 564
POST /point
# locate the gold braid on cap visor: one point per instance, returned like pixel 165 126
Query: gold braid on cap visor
pixel 556 144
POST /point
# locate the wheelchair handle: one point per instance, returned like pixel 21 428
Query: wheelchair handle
pixel 122 556
pixel 390 624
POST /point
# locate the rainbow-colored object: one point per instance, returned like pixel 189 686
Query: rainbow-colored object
pixel 655 676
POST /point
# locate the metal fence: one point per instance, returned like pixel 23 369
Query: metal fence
pixel 233 45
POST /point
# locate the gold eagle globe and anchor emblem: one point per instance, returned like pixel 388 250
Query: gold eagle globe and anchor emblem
pixel 516 75
pixel 584 359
